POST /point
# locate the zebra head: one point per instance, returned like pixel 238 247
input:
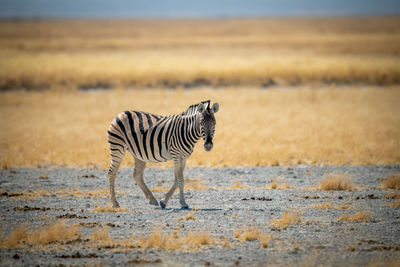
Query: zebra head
pixel 207 123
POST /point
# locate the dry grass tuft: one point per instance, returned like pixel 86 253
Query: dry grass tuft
pixel 194 184
pixel 351 248
pixel 396 204
pixel 237 185
pixel 17 238
pixel 247 234
pixel 159 189
pixel 276 185
pixel 392 182
pixel 322 206
pixel 392 195
pixel 59 233
pixel 288 218
pixel 109 209
pixel 359 216
pixel 100 237
pixel 174 241
pixel 195 240
pixel 252 234
pixel 296 246
pixel 226 243
pixel 328 205
pixel 336 181
pixel 343 206
pixel 189 216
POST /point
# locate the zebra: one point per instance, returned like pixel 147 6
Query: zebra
pixel 153 138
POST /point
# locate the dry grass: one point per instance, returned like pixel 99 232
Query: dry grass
pixel 392 195
pixel 328 205
pixel 174 241
pixel 237 185
pixel 101 237
pixel 55 233
pixel 30 195
pixel 76 192
pixel 336 181
pixel 252 234
pixel 73 53
pixel 392 182
pixel 396 204
pixel 66 192
pixel 359 216
pixel 194 184
pixel 190 184
pixel 288 218
pixel 226 243
pixel 160 189
pixel 109 209
pixel 189 216
pixel 275 184
pixel 47 127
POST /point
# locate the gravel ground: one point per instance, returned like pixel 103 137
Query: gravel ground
pixel 319 239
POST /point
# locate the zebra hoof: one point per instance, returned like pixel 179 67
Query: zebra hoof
pixel 154 202
pixel 185 207
pixel 115 204
pixel 162 204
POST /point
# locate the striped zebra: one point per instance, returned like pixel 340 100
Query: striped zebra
pixel 154 138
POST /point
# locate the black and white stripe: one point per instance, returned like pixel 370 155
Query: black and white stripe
pixel 154 138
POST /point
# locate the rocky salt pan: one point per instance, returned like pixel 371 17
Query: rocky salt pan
pixel 236 209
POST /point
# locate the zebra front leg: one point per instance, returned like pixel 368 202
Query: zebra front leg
pixel 138 176
pixel 179 166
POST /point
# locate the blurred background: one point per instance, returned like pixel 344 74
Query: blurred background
pixel 298 82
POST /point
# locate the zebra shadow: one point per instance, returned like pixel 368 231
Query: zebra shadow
pixel 189 209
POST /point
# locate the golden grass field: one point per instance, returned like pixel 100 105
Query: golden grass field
pixel 353 119
pixel 254 127
pixel 46 54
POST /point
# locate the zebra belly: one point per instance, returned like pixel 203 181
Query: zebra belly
pixel 165 157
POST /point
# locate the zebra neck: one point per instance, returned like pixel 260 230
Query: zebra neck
pixel 193 132
pixel 196 130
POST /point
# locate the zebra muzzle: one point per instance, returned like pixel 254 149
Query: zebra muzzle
pixel 208 146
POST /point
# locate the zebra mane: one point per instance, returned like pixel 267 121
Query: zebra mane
pixel 193 108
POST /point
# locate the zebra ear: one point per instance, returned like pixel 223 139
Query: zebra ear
pixel 201 108
pixel 215 107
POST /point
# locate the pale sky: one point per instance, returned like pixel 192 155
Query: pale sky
pixel 192 8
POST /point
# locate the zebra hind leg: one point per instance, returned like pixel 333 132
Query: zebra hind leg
pixel 163 203
pixel 112 174
pixel 138 176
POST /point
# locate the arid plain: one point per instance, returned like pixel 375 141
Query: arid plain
pixel 305 164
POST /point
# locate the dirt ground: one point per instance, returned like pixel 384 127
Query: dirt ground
pixel 223 202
